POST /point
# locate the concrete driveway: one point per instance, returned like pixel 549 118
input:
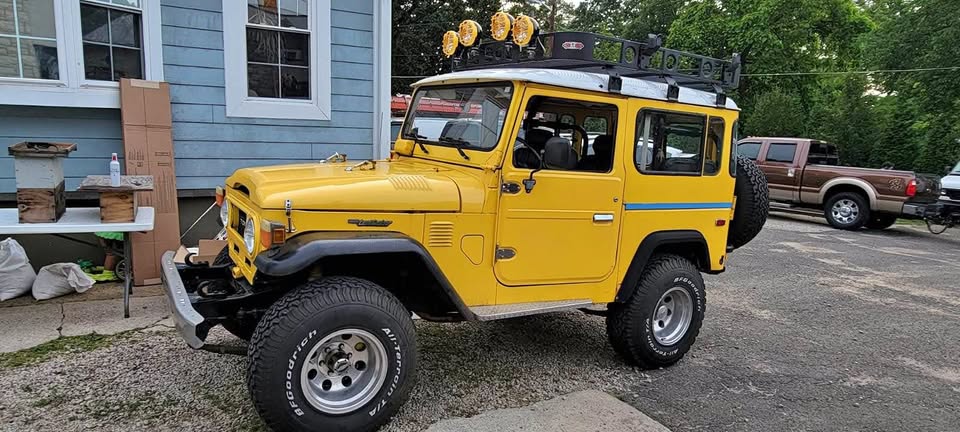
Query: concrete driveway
pixel 813 328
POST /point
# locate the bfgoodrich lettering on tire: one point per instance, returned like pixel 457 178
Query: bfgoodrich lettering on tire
pixel 661 321
pixel 336 354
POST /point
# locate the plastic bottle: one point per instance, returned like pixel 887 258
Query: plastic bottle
pixel 114 171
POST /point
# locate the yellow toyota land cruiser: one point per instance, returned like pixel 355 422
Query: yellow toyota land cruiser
pixel 548 172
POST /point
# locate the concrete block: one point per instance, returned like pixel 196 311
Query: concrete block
pixel 584 411
pixel 23 327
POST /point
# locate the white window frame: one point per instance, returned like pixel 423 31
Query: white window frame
pixel 73 89
pixel 239 104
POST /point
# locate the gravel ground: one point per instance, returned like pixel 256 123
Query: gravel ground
pixel 810 329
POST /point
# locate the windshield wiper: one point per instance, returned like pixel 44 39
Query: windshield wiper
pixel 416 139
pixel 457 143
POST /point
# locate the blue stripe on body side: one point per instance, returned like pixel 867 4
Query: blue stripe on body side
pixel 677 206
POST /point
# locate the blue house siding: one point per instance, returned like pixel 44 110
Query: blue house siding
pixel 209 146
pixel 96 132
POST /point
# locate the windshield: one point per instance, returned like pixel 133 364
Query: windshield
pixel 956 169
pixel 469 117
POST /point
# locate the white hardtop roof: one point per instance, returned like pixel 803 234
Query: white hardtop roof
pixel 578 80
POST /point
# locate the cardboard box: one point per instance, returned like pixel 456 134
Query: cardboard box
pixel 148 150
pixel 207 251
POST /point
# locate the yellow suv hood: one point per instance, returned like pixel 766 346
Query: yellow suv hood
pixel 386 186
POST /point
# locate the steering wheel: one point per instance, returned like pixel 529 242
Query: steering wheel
pixel 521 147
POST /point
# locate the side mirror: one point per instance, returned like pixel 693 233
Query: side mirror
pixel 559 154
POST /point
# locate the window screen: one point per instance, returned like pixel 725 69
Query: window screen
pixel 781 152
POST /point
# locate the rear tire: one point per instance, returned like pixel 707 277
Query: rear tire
pixel 847 211
pixel 661 320
pixel 305 349
pixel 882 221
pixel 752 206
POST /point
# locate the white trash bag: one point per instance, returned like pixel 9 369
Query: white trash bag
pixel 60 279
pixel 16 273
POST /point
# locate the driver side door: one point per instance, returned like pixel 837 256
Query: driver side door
pixel 566 229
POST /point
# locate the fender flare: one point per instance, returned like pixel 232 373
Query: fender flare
pixel 848 181
pixel 302 251
pixel 678 238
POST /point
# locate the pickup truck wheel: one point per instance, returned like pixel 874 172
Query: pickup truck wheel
pixel 337 353
pixel 847 210
pixel 752 206
pixel 882 221
pixel 661 320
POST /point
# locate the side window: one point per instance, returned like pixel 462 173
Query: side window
pixel 670 143
pixel 822 153
pixel 749 150
pixel 734 150
pixel 714 146
pixel 573 147
pixel 781 152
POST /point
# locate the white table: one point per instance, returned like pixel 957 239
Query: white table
pixel 81 221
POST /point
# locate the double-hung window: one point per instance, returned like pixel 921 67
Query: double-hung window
pixel 277 55
pixel 72 52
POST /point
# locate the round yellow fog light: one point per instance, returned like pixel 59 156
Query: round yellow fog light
pixel 451 41
pixel 500 25
pixel 469 32
pixel 524 30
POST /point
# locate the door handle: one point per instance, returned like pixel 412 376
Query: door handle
pixel 603 217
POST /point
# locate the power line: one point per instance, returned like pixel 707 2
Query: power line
pixel 951 68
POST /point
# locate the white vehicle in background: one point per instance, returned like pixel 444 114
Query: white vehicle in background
pixel 950 186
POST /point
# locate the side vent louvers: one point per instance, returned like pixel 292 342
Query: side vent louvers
pixel 441 234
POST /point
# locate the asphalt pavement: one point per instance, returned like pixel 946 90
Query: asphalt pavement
pixel 813 328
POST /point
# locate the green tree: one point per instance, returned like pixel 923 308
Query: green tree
pixel 776 114
pixel 418 27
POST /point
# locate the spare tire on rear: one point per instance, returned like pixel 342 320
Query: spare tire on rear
pixel 752 206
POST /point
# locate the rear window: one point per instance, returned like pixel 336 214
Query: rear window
pixel 749 150
pixel 781 152
pixel 822 153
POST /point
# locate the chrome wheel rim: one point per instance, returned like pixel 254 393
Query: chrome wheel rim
pixel 672 316
pixel 344 371
pixel 845 211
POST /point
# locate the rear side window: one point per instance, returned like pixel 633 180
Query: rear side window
pixel 749 150
pixel 781 152
pixel 714 147
pixel 822 153
pixel 670 143
pixel 734 137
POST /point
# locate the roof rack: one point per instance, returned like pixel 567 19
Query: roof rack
pixel 615 57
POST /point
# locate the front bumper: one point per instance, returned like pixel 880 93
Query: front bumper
pixel 187 319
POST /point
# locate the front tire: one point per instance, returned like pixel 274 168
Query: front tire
pixel 661 320
pixel 847 211
pixel 335 354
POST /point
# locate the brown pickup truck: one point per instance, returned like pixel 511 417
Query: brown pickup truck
pixel 807 173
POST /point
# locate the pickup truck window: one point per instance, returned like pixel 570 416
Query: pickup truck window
pixel 822 153
pixel 749 150
pixel 670 143
pixel 714 150
pixel 781 152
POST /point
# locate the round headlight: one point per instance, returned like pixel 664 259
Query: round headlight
pixel 451 41
pixel 249 234
pixel 225 212
pixel 524 30
pixel 469 32
pixel 500 25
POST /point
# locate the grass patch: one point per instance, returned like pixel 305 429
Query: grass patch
pixel 915 222
pixel 54 398
pixel 48 350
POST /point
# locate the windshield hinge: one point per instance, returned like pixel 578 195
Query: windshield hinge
pixel 288 210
